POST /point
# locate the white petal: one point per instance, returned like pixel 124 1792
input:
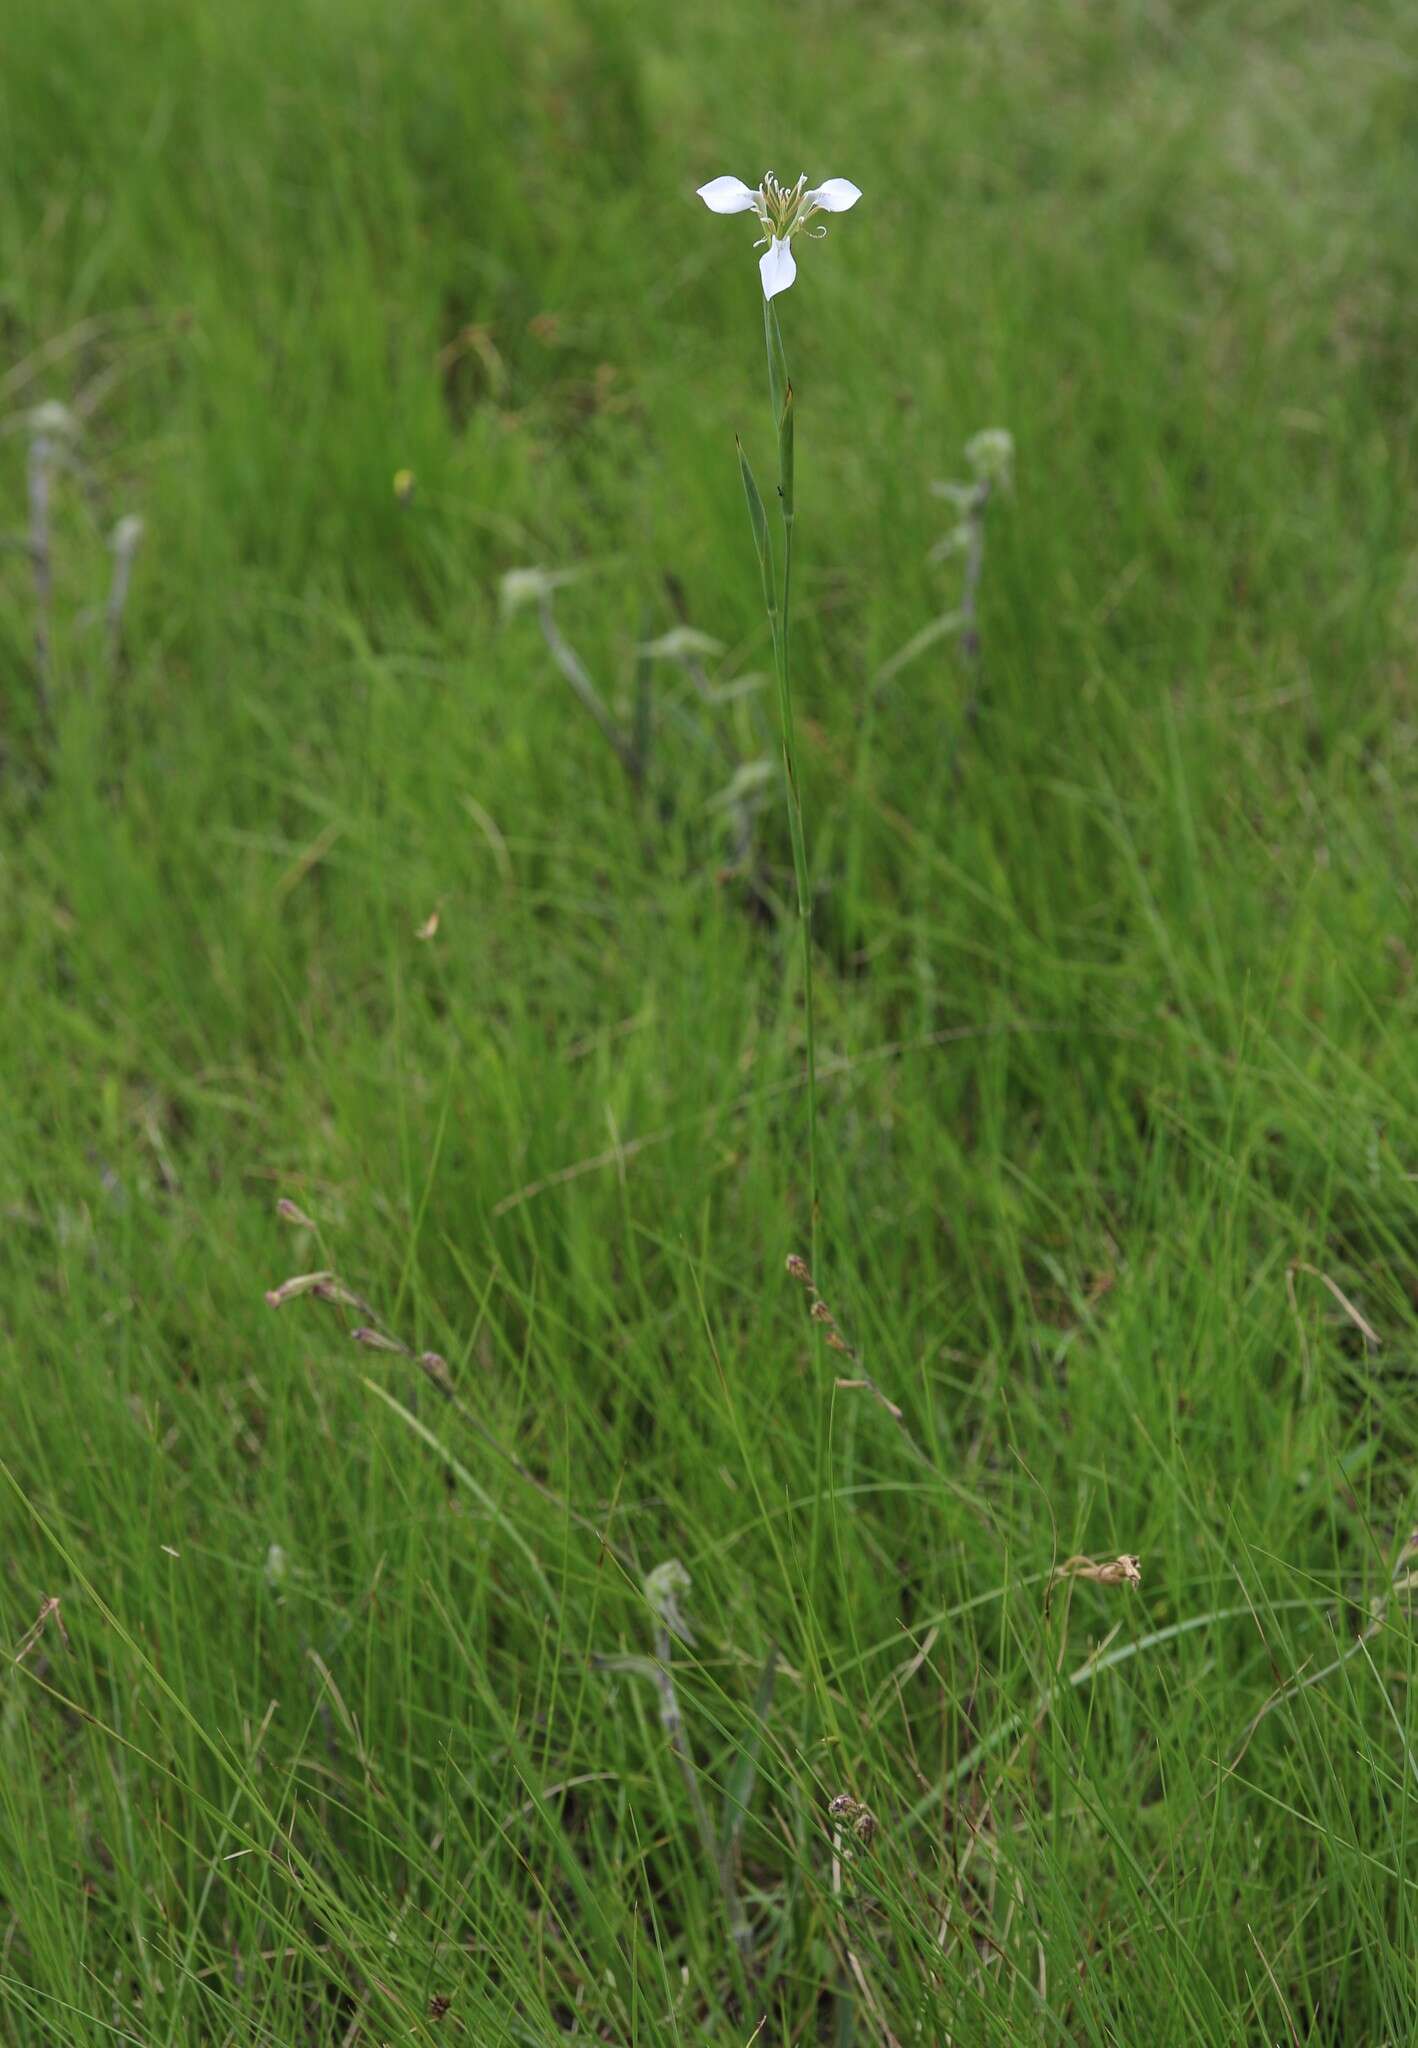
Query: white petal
pixel 835 195
pixel 777 269
pixel 727 195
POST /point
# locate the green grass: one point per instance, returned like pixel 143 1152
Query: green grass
pixel 1116 1018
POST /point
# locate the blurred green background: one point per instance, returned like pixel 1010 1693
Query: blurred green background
pixel 319 884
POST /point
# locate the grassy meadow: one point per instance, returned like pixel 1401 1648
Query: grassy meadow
pixel 344 1699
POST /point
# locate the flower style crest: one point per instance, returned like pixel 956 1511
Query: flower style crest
pixel 783 211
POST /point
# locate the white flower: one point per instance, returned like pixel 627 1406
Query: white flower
pixel 783 211
pixel 52 422
pixel 520 587
pixel 991 455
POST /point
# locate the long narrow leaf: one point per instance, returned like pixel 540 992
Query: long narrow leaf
pixel 758 520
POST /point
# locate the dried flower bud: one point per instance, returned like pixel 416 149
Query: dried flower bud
pixel 375 1340
pixel 436 1368
pixel 289 1213
pixel 332 1288
pixel 836 1343
pixel 850 1812
pixel 290 1290
pixel 821 1313
pixel 799 1270
pixel 1120 1571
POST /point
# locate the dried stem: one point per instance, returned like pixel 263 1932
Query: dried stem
pixel 852 1818
pixel 820 1314
pixel 1366 1329
pixel 49 1611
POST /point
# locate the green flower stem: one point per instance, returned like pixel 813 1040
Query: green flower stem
pixel 780 393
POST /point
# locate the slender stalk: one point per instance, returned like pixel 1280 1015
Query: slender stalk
pixel 969 612
pixel 718 1858
pixel 41 458
pixel 127 536
pixel 777 603
pixel 577 675
pixel 721 1857
pixel 780 392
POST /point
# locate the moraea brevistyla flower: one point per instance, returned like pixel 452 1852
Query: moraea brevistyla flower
pixel 783 211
